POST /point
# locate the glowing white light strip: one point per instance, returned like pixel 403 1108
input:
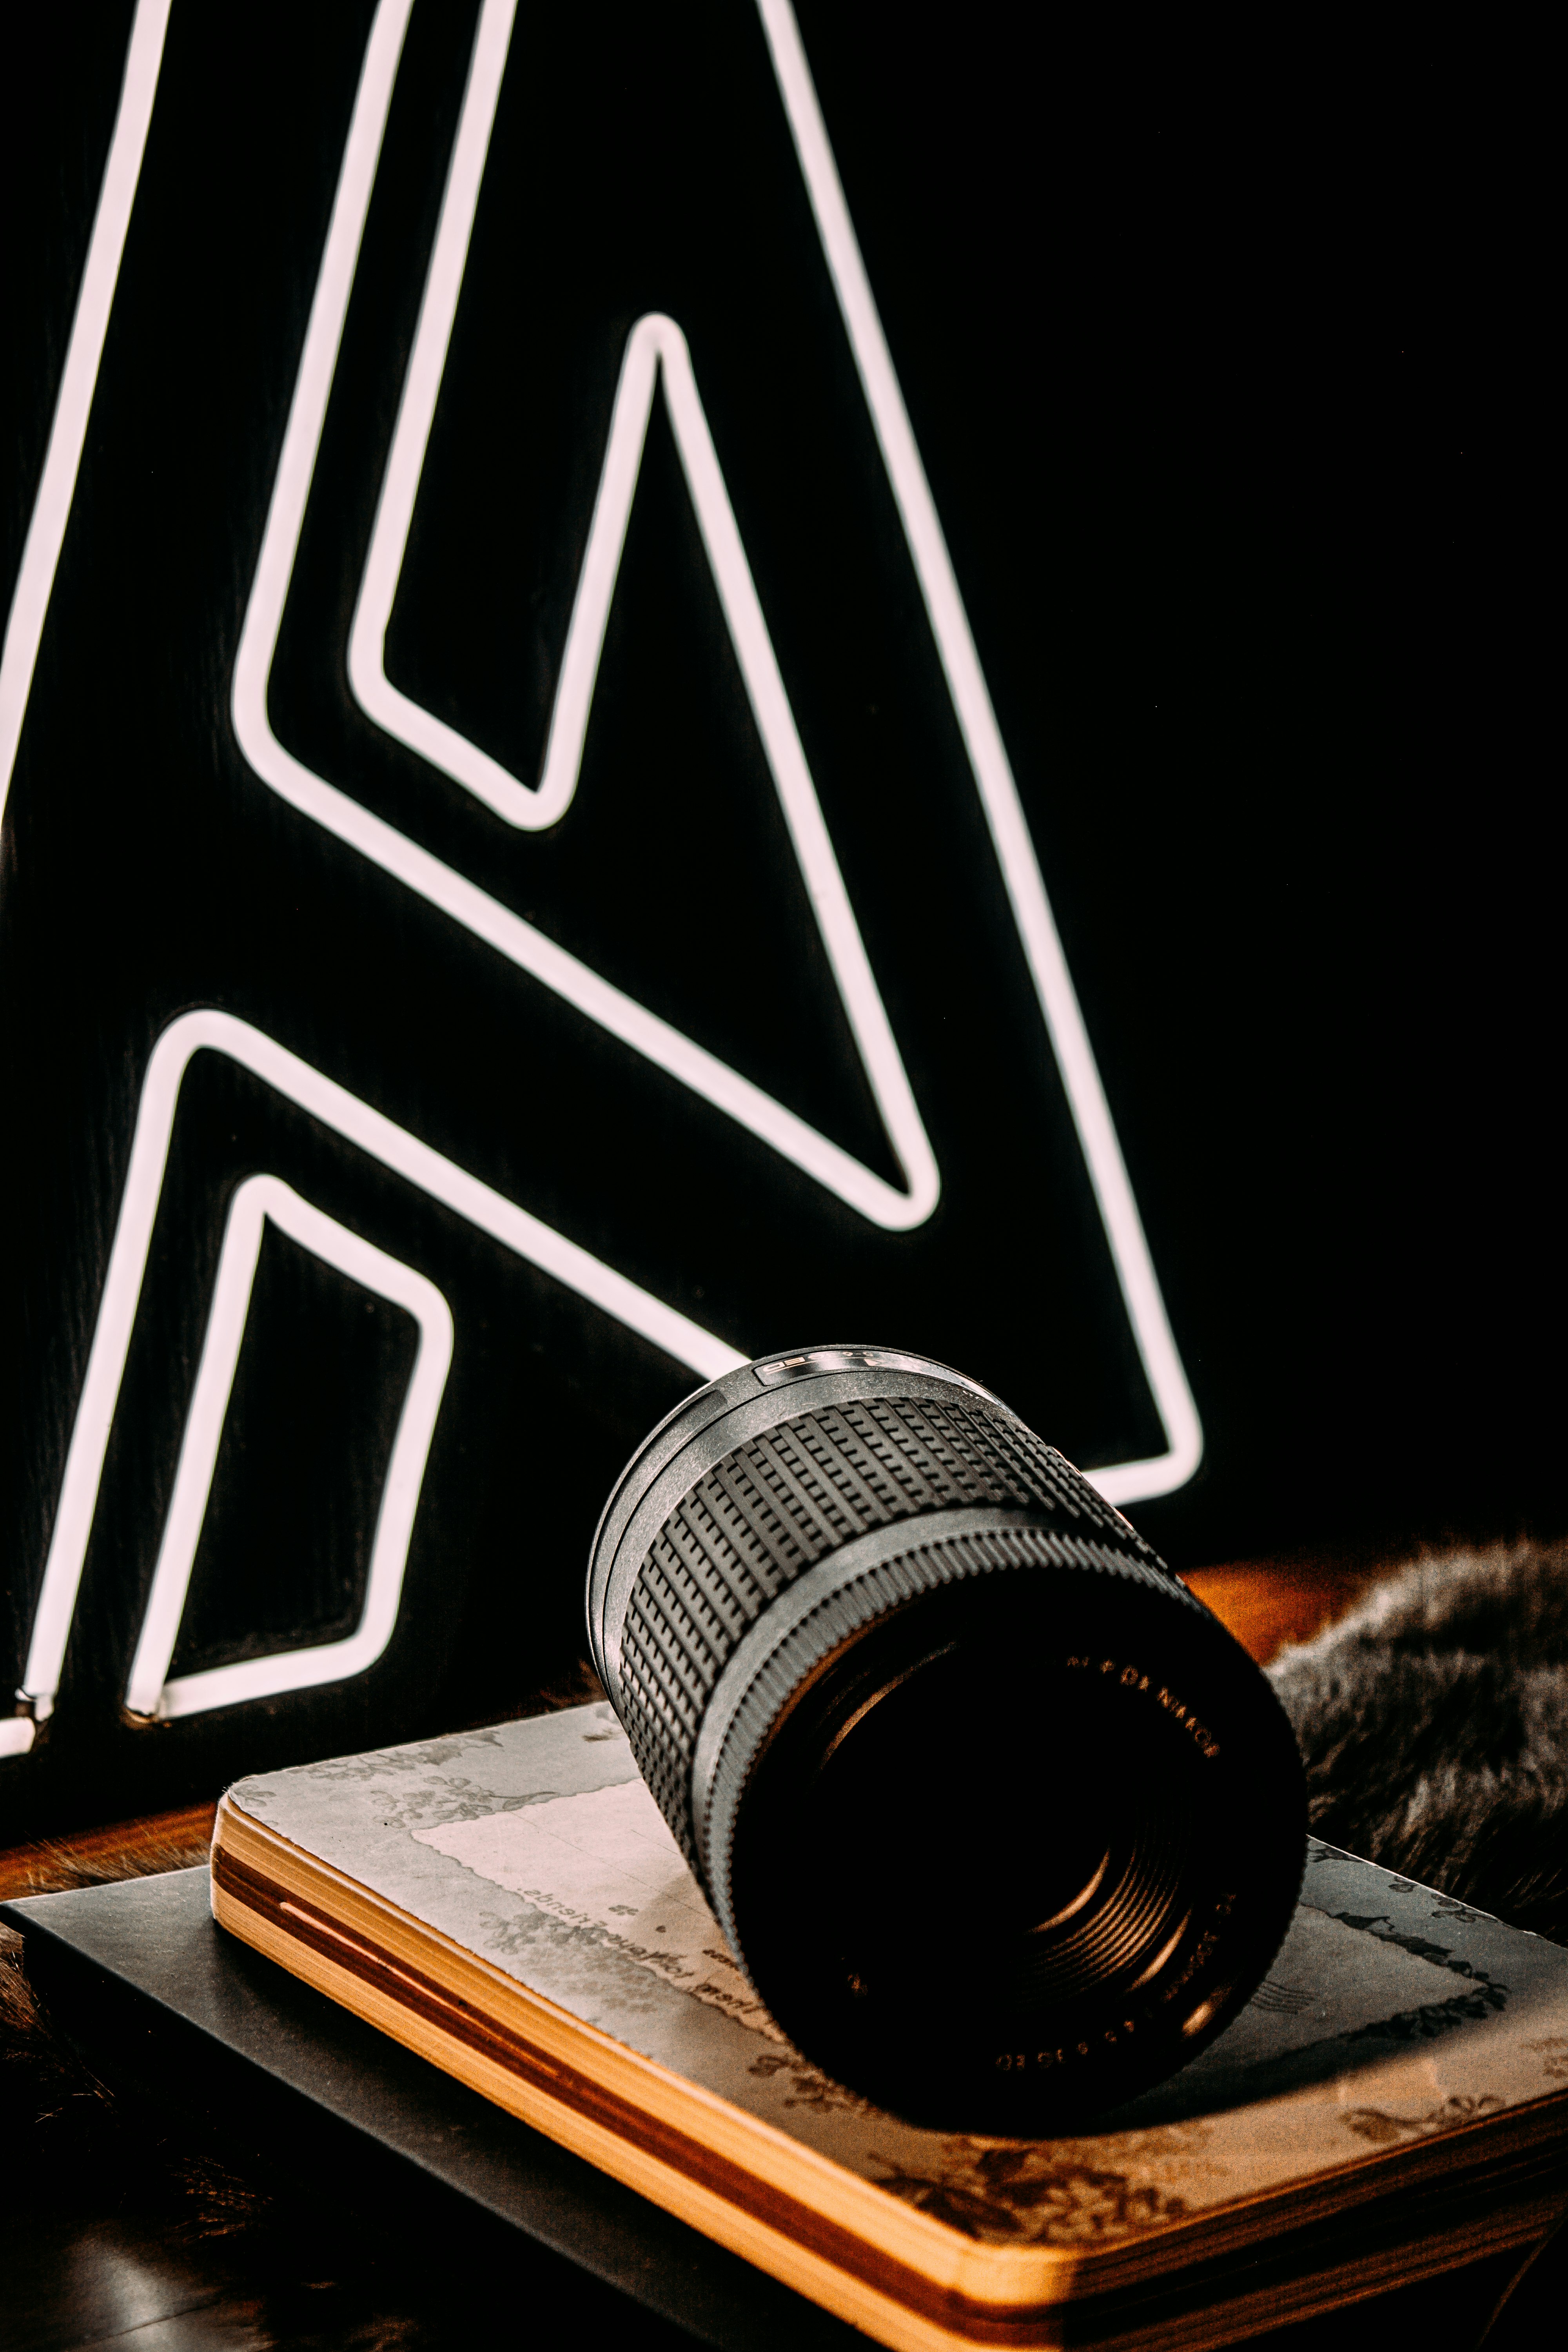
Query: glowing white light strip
pixel 654 340
pixel 347 1116
pixel 1121 1483
pixel 443 746
pixel 148 1691
pixel 657 346
pixel 1125 1482
pixel 51 509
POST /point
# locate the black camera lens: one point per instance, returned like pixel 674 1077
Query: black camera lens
pixel 1000 1822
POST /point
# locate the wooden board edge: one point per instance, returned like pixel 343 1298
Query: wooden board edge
pixel 987 2282
pixel 878 2314
pixel 1358 2277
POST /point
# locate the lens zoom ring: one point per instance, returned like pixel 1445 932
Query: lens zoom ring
pixel 882 1588
pixel 779 1503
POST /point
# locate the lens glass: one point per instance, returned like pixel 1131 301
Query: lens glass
pixel 1014 1834
pixel 988 1832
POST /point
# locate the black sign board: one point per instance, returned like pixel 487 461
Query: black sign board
pixel 687 680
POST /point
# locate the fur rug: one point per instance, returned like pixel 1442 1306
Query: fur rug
pixel 1433 1724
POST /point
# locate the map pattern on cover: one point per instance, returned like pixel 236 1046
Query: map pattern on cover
pixel 1392 2013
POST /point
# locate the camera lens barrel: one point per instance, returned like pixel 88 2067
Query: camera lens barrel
pixel 1000 1822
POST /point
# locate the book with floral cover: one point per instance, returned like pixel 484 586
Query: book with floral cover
pixel 510 1904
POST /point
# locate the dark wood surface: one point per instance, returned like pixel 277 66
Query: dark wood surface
pixel 119 2227
pixel 120 1850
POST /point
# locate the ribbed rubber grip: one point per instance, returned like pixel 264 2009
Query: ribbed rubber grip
pixel 781 1502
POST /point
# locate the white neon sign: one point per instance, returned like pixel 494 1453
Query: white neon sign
pixel 1121 1482
pixel 655 342
pixel 1124 1482
pixel 526 1236
pixel 260 1200
pixel 78 381
pixel 655 353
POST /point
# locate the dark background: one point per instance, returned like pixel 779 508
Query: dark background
pixel 1226 363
